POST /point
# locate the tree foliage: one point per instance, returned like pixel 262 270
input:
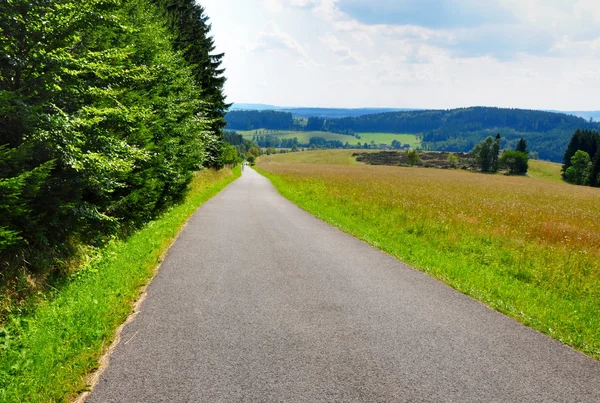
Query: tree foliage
pixel 579 172
pixel 101 121
pixel 517 162
pixel 486 154
pixel 584 140
pixel 413 157
pixel 190 27
pixel 587 141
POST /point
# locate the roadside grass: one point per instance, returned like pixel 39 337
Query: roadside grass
pixel 304 137
pixel 545 170
pixel 528 248
pixel 46 356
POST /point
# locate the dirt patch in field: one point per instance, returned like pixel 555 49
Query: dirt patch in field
pixel 428 159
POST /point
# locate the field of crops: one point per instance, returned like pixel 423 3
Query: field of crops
pixel 304 137
pixel 527 247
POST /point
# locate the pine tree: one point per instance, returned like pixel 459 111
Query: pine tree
pixel 522 146
pixel 584 140
pixel 595 174
pixel 99 121
pixel 191 29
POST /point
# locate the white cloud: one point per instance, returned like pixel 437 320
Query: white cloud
pixel 276 39
pixel 347 56
pixel 278 6
pixel 311 53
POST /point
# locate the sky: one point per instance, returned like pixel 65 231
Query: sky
pixel 533 54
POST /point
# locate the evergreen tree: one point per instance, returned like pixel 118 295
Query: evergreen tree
pixel 191 29
pixel 584 140
pixel 99 121
pixel 595 174
pixel 522 146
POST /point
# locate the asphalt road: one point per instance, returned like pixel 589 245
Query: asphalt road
pixel 258 301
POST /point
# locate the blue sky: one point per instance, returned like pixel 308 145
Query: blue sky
pixel 538 54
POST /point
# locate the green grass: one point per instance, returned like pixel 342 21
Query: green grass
pixel 47 356
pixel 387 138
pixel 526 247
pixel 545 170
pixel 304 137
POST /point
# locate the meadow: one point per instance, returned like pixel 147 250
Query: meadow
pixel 545 170
pixel 47 354
pixel 304 137
pixel 527 247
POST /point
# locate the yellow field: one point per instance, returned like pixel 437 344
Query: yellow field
pixel 527 247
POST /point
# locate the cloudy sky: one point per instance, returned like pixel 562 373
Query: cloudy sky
pixel 537 54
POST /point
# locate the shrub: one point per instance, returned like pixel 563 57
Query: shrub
pixel 413 157
pixel 517 162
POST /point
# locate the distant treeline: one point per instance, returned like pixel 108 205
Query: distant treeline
pixel 456 130
pixel 251 120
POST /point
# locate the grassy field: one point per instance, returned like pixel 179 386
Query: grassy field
pixel 545 170
pixel 527 247
pixel 47 356
pixel 304 137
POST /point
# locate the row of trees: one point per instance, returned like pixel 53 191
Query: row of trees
pixel 106 110
pixel 581 162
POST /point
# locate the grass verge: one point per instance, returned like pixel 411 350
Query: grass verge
pixel 46 356
pixel 528 248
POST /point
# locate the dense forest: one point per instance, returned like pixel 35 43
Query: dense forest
pixel 107 108
pixel 456 130
pixel 251 120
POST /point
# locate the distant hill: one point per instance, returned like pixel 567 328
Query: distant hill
pixel 595 115
pixel 304 112
pixel 456 130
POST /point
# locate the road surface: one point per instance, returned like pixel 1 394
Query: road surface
pixel 258 301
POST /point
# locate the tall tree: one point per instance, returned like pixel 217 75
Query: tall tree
pixel 522 146
pixel 496 153
pixel 487 153
pixel 584 140
pixel 98 121
pixel 595 174
pixel 579 171
pixel 190 26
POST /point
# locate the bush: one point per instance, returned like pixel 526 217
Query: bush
pixel 517 162
pixel 413 157
pixel 453 160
